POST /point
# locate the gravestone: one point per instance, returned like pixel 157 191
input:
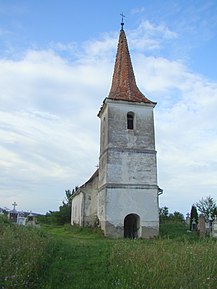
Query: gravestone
pixel 187 220
pixel 201 226
pixel 208 226
pixel 13 216
pixel 193 225
pixel 21 220
pixel 214 227
pixel 31 220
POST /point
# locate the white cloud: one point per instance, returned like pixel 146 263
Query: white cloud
pixel 149 36
pixel 100 47
pixel 69 47
pixel 45 101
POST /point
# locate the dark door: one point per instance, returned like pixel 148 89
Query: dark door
pixel 131 226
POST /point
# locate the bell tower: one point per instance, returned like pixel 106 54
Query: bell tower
pixel 127 187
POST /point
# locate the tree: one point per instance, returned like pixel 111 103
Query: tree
pixel 177 217
pixel 207 207
pixel 193 215
pixel 164 214
pixel 165 217
pixel 64 214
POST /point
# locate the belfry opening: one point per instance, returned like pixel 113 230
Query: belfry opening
pixel 131 226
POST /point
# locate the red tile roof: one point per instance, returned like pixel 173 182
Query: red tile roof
pixel 123 82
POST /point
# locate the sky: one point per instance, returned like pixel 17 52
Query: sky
pixel 56 65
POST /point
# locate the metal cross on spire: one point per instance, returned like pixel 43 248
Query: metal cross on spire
pixel 122 20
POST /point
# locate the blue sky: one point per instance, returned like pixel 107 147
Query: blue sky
pixel 57 60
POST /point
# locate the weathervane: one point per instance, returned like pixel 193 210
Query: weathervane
pixel 122 20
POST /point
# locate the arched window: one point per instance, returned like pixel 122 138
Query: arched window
pixel 130 120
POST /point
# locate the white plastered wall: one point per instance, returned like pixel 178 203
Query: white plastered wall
pixel 77 214
pixel 142 202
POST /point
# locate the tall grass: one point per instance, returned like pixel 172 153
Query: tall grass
pixel 82 258
pixel 89 261
pixel 24 256
pixel 164 263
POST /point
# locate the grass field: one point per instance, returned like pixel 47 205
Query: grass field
pixel 25 254
pixel 82 258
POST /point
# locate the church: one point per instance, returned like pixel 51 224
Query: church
pixel 121 197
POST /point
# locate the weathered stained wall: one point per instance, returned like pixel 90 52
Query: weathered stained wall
pixel 127 169
pixel 77 209
pixel 90 191
pixel 138 200
pixel 141 137
pixel 127 155
pixel 84 203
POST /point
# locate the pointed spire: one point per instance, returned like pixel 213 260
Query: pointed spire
pixel 123 82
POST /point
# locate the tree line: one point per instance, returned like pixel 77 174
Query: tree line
pixel 206 206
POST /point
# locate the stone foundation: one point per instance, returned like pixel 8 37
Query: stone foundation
pixel 112 231
pixel 149 232
pixel 118 231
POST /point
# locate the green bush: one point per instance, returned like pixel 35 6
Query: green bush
pixel 172 230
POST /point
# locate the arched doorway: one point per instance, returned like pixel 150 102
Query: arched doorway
pixel 131 226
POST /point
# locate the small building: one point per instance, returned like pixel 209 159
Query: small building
pixel 121 197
